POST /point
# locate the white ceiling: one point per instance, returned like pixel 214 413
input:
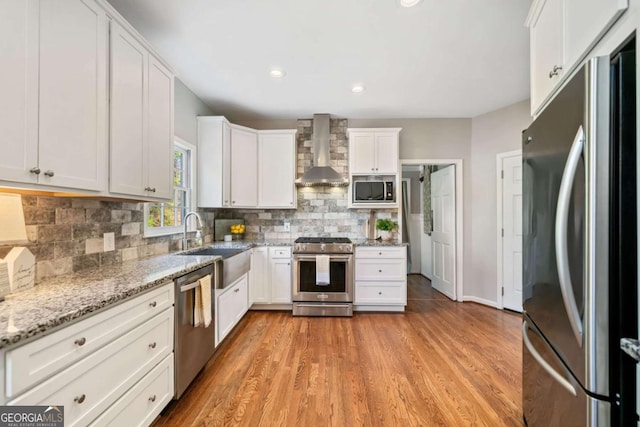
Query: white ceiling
pixel 442 58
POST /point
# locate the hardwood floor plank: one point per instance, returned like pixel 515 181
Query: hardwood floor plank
pixel 441 363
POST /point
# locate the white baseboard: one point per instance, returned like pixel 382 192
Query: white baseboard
pixel 480 301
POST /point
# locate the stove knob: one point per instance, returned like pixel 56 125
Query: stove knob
pixel 340 249
pixel 297 248
pixel 323 247
pixel 304 248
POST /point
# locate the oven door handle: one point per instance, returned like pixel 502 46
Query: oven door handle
pixel 313 257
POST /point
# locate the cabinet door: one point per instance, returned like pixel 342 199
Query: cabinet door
pixel 241 298
pixel 387 156
pixel 281 281
pixel 160 147
pixel 244 168
pixel 362 153
pixel 259 277
pixel 19 90
pixel 277 171
pixel 585 23
pixel 73 94
pixel 128 121
pixel 546 51
pixel 226 313
pixel 226 165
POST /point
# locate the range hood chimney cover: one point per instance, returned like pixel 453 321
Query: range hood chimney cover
pixel 321 173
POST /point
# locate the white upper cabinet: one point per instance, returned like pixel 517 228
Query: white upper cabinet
pixel 547 53
pixel 54 100
pixel 239 167
pixel 562 33
pixel 244 168
pixel 277 169
pixel 141 119
pixel 373 151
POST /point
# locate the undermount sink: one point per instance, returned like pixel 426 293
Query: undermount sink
pixel 234 263
pixel 223 252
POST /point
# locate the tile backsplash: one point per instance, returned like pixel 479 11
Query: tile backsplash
pixel 66 234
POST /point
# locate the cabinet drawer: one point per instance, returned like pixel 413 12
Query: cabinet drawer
pixel 380 269
pixel 30 364
pixel 366 294
pixel 90 386
pixel 382 252
pixel 280 252
pixel 140 405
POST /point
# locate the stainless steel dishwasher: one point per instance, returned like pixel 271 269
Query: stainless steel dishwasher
pixel 194 346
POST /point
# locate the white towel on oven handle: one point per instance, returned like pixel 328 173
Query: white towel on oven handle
pixel 322 269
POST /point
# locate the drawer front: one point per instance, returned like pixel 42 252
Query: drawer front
pixel 366 294
pixel 380 269
pixel 93 384
pixel 30 364
pixel 280 252
pixel 381 252
pixel 143 403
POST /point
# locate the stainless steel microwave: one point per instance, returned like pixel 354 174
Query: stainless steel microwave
pixel 373 192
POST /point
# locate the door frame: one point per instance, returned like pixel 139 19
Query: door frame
pixel 459 225
pixel 499 192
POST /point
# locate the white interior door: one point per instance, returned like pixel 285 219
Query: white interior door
pixel 512 232
pixel 443 236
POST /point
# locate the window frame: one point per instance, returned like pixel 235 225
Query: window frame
pixel 192 151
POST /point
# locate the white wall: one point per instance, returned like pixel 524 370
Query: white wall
pixel 187 106
pixel 492 133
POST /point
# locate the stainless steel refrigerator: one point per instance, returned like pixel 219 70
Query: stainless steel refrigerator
pixel 579 250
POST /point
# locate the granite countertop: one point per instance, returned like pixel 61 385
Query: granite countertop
pixel 61 299
pixel 631 347
pixel 373 242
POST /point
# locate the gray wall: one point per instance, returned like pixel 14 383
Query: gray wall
pixel 492 133
pixel 187 106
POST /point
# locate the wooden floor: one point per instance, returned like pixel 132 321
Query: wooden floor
pixel 440 363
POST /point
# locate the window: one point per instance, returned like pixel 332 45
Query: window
pixel 166 218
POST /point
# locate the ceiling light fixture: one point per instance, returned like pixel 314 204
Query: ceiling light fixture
pixel 276 73
pixel 409 3
pixel 357 89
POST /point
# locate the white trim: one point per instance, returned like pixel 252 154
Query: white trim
pixel 459 215
pixel 479 301
pixel 500 157
pixel 193 165
pixel 408 181
pixel 534 12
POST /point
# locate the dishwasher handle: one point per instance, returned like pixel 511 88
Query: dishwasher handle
pixel 190 286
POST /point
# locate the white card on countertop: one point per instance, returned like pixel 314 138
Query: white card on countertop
pixel 5 287
pixel 22 269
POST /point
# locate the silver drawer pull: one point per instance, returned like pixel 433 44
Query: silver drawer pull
pixel 80 341
pixel 153 304
pixel 79 399
pixel 49 173
pixel 152 398
pixel 237 290
pixel 35 170
pixel 152 345
pixel 379 271
pixel 379 253
pixel 379 293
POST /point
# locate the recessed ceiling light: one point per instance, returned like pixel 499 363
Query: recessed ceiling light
pixel 409 3
pixel 276 73
pixel 357 89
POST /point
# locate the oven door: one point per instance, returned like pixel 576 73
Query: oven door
pixel 340 287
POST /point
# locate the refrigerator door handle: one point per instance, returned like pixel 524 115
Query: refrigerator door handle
pixel 554 374
pixel 562 254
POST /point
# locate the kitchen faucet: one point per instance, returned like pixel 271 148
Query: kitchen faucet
pixel 185 241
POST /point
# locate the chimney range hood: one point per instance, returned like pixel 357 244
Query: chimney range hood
pixel 321 173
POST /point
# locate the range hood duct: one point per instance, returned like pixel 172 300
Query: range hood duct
pixel 321 173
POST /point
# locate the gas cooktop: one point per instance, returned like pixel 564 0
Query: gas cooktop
pixel 322 240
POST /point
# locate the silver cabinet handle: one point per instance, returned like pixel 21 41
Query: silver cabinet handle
pixel 35 170
pixel 153 304
pixel 226 201
pixel 237 290
pixel 554 72
pixel 79 399
pixel 527 342
pixel 80 341
pixel 379 293
pixel 147 188
pixel 152 398
pixel 49 173
pixel 234 202
pixel 380 253
pixel 562 216
pixel 152 345
pixel 379 271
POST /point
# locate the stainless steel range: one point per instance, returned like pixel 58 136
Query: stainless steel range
pixel 323 276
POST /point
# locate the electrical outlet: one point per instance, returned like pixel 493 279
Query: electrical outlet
pixel 287 226
pixel 109 242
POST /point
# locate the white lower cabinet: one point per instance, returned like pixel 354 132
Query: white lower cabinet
pixel 271 279
pixel 381 278
pixel 231 305
pixel 116 353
